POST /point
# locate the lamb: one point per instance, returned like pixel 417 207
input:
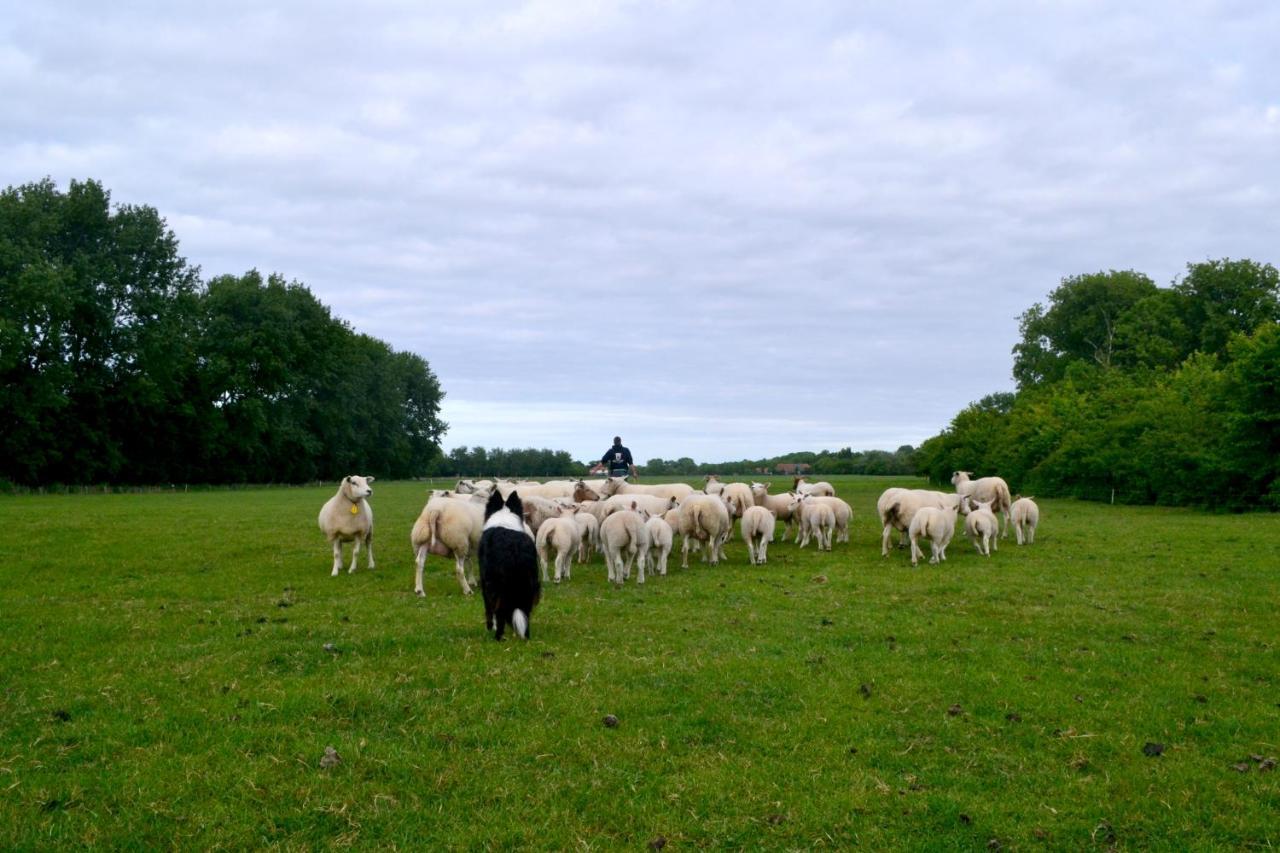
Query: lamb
pixel 1026 516
pixel 842 511
pixel 779 505
pixel 661 537
pixel 938 526
pixel 448 526
pixel 819 488
pixel 982 527
pixel 619 486
pixel 626 541
pixel 704 519
pixel 563 534
pixel 588 532
pixel 817 519
pixel 757 532
pixel 898 506
pixel 347 517
pixel 992 490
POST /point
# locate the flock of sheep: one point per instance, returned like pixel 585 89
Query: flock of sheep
pixel 634 525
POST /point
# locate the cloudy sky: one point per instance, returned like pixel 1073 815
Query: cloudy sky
pixel 721 229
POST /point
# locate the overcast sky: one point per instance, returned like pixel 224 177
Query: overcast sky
pixel 721 229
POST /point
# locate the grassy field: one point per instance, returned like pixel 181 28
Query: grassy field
pixel 165 681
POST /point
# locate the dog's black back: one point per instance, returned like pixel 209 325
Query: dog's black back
pixel 508 567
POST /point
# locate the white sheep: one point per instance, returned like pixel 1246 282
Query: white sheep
pixel 779 505
pixel 817 519
pixel 619 486
pixel 625 540
pixel 1026 516
pixel 992 490
pixel 661 537
pixel 563 534
pixel 982 527
pixel 588 532
pixel 938 526
pixel 898 506
pixel 537 510
pixel 449 526
pixel 841 510
pixel 757 531
pixel 704 520
pixel 347 517
pixel 652 504
pixel 822 487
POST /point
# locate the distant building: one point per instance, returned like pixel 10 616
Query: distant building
pixel 793 468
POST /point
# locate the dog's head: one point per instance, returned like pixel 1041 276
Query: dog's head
pixel 500 513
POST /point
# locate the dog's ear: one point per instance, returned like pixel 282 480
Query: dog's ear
pixel 493 504
pixel 514 504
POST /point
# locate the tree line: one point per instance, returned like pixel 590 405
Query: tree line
pixel 119 364
pixel 843 461
pixel 1137 393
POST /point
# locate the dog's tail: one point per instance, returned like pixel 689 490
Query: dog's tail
pixel 521 623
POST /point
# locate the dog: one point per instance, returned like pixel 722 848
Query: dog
pixel 508 567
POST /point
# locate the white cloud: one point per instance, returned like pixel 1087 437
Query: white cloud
pixel 694 222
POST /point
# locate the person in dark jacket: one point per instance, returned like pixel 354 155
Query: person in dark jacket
pixel 617 460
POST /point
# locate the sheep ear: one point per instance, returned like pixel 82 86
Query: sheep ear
pixel 370 479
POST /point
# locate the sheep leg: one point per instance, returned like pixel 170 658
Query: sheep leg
pixel 640 563
pixel 355 552
pixel 460 566
pixel 1031 534
pixel 337 557
pixel 915 551
pixel 419 560
pixel 1017 531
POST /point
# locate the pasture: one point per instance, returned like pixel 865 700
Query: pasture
pixel 174 666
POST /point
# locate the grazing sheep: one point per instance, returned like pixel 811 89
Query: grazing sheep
pixel 779 505
pixel 626 541
pixel 449 526
pixel 757 532
pixel 1026 515
pixel 992 490
pixel 562 534
pixel 619 486
pixel 898 506
pixel 982 527
pixel 938 526
pixel 817 519
pixel 661 537
pixel 822 487
pixel 704 519
pixel 347 517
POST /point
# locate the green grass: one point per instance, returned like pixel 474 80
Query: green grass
pixel 163 682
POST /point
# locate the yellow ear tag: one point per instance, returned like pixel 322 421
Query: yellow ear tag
pixel 355 509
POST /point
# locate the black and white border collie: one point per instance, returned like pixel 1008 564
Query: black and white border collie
pixel 508 567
